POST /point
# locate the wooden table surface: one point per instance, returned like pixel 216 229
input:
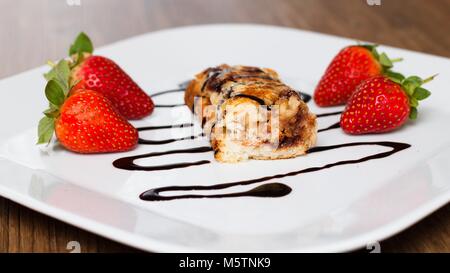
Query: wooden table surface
pixel 34 31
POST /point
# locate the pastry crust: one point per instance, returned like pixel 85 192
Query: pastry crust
pixel 248 113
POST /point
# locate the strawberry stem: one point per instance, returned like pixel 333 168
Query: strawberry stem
pixel 51 64
pixel 429 79
pixel 396 60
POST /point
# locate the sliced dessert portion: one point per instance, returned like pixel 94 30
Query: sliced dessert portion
pixel 248 113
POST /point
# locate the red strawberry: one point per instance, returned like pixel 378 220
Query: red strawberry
pixel 347 70
pixel 101 74
pixel 85 121
pixel 383 104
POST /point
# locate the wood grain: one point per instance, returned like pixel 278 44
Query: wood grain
pixel 34 31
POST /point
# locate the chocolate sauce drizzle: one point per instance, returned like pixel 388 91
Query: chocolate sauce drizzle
pixel 151 128
pixel 329 114
pixel 267 190
pixel 155 194
pixel 127 163
pixel 169 105
pixel 168 92
pixel 258 100
pixel 305 97
pixel 166 141
pixel 337 125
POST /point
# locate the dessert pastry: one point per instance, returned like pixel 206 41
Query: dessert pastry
pixel 248 113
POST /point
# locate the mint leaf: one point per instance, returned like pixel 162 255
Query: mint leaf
pixel 421 93
pixel 54 93
pixel 45 130
pixel 81 45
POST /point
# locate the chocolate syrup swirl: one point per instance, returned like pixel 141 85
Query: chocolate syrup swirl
pixel 329 114
pixel 169 105
pixel 268 190
pixel 168 92
pixel 337 125
pixel 166 141
pixel 305 97
pixel 258 100
pixel 127 163
pixel 154 194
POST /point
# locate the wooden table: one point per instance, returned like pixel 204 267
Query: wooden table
pixel 34 31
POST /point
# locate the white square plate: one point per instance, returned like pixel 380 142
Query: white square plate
pixel 336 209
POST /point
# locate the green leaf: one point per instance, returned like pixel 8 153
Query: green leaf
pixel 385 61
pixel 45 130
pixel 413 113
pixel 60 73
pixel 54 93
pixel 77 60
pixel 375 53
pixel 372 48
pixel 395 77
pixel 52 112
pixel 421 93
pixel 413 102
pixel 81 45
pixel 52 73
pixel 411 83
